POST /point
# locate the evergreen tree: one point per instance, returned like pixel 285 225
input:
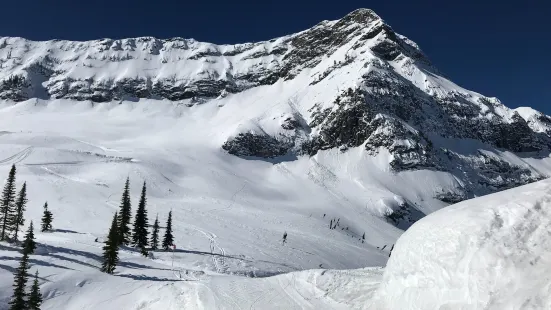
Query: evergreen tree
pixel 144 251
pixel 111 249
pixel 7 205
pixel 155 235
pixel 125 213
pixel 47 218
pixel 29 245
pixel 168 239
pixel 17 301
pixel 35 297
pixel 139 236
pixel 363 238
pixel 20 206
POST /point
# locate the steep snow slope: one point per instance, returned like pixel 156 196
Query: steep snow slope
pixel 229 213
pixel 491 252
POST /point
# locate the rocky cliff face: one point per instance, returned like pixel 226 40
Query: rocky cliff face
pixel 350 83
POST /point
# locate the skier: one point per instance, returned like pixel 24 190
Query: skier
pixel 284 238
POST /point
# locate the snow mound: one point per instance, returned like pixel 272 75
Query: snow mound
pixel 492 252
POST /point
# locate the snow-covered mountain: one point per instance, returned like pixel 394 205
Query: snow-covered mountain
pixel 342 84
pixel 345 121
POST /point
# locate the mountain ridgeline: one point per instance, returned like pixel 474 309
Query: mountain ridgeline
pixel 353 83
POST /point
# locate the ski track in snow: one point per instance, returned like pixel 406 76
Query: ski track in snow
pixel 217 252
pixel 17 157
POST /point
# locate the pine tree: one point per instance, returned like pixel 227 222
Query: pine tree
pixel 29 245
pixel 139 237
pixel 17 301
pixel 168 239
pixel 47 218
pixel 35 297
pixel 363 238
pixel 111 249
pixel 20 206
pixel 125 213
pixel 7 205
pixel 155 235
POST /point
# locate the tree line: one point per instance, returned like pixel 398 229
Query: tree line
pixel 12 208
pixel 120 233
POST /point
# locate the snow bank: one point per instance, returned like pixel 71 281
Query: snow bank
pixel 492 252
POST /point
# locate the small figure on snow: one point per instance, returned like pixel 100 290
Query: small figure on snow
pixel 284 237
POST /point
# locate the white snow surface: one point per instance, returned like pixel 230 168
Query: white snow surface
pixel 493 252
pixel 229 213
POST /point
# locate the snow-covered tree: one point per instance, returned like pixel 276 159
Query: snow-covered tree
pixel 125 213
pixel 168 239
pixel 20 206
pixel 29 245
pixel 139 236
pixel 155 235
pixel 17 301
pixel 47 218
pixel 35 297
pixel 7 204
pixel 111 249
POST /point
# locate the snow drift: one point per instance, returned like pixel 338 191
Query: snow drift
pixel 492 252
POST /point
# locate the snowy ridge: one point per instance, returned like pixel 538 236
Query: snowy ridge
pixel 492 252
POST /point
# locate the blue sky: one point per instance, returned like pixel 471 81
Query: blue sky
pixel 497 48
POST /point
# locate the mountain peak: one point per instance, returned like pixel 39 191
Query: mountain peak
pixel 362 16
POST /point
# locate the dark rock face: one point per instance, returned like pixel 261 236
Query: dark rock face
pixel 348 125
pixel 354 122
pixel 290 123
pixel 450 197
pixel 404 215
pixel 518 137
pixel 410 149
pixel 248 144
pixel 326 38
pixel 496 174
pixel 14 88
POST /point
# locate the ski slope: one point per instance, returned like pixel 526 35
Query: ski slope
pixel 68 266
pixel 229 214
pixel 486 253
